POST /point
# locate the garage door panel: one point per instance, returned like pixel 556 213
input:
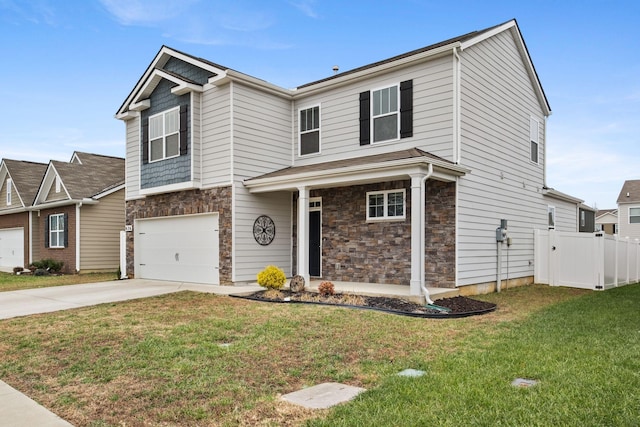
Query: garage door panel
pixel 12 247
pixel 178 248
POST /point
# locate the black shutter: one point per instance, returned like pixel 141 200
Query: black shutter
pixel 145 141
pixel 46 232
pixel 365 118
pixel 406 109
pixel 183 130
pixel 66 230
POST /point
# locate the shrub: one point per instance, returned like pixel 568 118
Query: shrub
pixel 326 289
pixel 272 277
pixel 48 264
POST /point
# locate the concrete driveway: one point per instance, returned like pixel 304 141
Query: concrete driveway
pixel 46 300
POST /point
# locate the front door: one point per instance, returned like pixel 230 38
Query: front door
pixel 315 248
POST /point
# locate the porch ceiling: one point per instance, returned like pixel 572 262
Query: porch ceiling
pixel 360 170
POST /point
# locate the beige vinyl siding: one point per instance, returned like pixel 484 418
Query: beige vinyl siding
pixel 215 161
pixel 625 228
pixel 52 195
pixel 496 103
pixel 132 161
pixel 261 144
pixel 432 114
pixel 37 236
pixel 100 227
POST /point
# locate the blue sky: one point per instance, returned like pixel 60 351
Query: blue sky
pixel 67 66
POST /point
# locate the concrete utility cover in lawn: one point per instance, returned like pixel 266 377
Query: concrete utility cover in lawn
pixel 323 396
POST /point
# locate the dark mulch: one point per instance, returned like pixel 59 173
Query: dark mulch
pixel 457 306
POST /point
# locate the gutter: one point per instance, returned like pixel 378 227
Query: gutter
pixel 65 202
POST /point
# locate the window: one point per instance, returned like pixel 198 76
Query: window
pixel 534 133
pixel 386 204
pixel 634 215
pixel 57 231
pixel 615 228
pixel 551 214
pixel 583 219
pixel 309 131
pixel 164 135
pixel 386 113
pixel 384 107
pixel 9 185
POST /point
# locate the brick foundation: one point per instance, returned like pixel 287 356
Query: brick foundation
pixel 186 203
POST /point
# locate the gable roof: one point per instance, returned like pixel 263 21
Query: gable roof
pixel 221 74
pixel 26 177
pixel 86 176
pixel 630 192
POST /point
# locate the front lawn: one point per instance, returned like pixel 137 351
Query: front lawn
pixel 201 359
pixel 13 282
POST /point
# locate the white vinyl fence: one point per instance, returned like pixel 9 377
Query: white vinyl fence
pixel 585 260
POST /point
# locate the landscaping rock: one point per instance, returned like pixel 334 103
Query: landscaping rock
pixel 297 284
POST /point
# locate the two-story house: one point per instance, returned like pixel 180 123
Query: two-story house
pixel 629 209
pixel 396 172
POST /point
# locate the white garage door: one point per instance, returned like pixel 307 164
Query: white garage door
pixel 178 248
pixel 12 247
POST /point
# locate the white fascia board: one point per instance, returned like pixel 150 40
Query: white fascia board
pixel 108 192
pixel 58 203
pixel 127 115
pixel 232 75
pixel 48 180
pixel 550 192
pixel 354 175
pixel 370 72
pixel 187 185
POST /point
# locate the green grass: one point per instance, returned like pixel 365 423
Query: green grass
pixel 159 361
pixel 13 282
pixel 585 354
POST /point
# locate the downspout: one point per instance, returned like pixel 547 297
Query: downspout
pixel 78 206
pixel 423 233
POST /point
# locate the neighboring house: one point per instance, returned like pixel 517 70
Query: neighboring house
pixel 397 172
pixel 629 209
pixel 607 221
pixel 20 182
pixel 78 213
pixel 586 219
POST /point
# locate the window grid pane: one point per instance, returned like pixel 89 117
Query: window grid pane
pixel 395 205
pixel 376 205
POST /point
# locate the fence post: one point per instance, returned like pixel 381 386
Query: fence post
pixel 599 254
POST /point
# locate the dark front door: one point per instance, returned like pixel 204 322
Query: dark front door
pixel 314 243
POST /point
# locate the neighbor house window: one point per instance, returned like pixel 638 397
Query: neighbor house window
pixel 384 108
pixel 386 204
pixel 56 231
pixel 583 219
pixel 634 215
pixel 309 131
pixel 551 214
pixel 9 185
pixel 534 135
pixel 164 135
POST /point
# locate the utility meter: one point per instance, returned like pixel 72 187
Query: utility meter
pixel 501 232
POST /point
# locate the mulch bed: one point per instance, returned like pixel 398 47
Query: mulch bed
pixel 457 306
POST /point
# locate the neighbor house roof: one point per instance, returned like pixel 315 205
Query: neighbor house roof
pixel 26 177
pixel 88 175
pixel 602 212
pixel 630 192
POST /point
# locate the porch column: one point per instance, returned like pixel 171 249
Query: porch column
pixel 417 248
pixel 303 233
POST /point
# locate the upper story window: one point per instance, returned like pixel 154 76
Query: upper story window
pixel 386 114
pixel 9 185
pixel 384 103
pixel 551 214
pixel 534 135
pixel 164 135
pixel 383 205
pixel 309 131
pixel 634 215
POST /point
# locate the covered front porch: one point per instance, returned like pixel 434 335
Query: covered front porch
pixel 393 291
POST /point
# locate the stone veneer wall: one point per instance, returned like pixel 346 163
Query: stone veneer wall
pixel 186 203
pixel 380 252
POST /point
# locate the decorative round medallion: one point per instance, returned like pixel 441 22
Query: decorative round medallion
pixel 264 230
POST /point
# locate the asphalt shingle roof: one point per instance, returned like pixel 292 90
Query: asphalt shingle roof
pixel 93 175
pixel 26 177
pixel 631 187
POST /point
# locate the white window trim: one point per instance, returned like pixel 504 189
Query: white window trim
pixel 9 190
pixel 164 134
pixel 534 139
pixel 385 217
pixel 372 117
pixel 300 132
pixel 551 209
pixel 60 233
pixel 629 214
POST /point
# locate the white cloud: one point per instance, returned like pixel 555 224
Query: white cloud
pixel 146 12
pixel 306 7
